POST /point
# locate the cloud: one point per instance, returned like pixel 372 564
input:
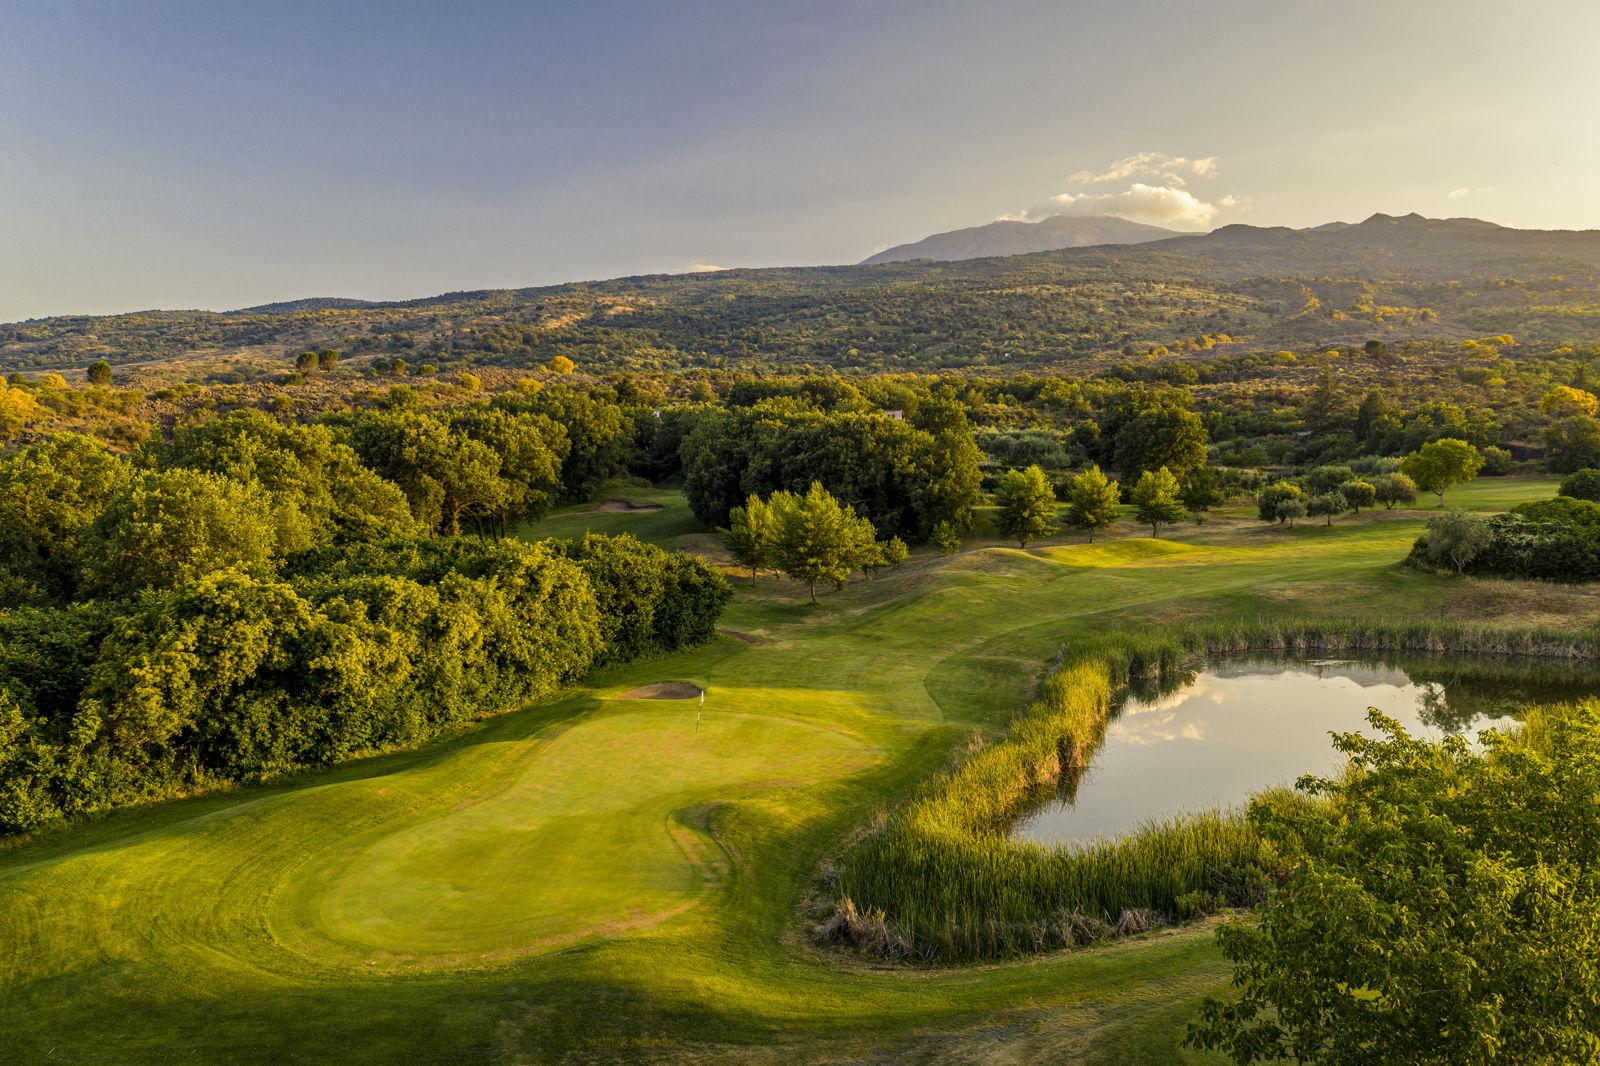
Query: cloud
pixel 697 267
pixel 1456 194
pixel 1160 205
pixel 1174 170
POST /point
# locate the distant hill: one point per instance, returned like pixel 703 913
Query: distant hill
pixel 309 303
pixel 1022 238
pixel 1399 278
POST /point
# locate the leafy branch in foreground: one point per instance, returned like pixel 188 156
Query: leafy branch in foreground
pixel 1442 907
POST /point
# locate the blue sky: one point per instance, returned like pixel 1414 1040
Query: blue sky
pixel 223 154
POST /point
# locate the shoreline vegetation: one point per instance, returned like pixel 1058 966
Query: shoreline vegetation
pixel 938 880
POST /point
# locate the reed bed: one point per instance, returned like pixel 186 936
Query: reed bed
pixel 939 879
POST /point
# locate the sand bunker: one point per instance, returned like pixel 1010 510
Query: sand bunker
pixel 615 506
pixel 663 690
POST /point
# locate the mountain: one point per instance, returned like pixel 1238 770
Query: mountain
pixel 1021 238
pixel 1388 246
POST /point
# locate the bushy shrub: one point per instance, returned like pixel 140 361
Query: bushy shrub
pixel 1582 484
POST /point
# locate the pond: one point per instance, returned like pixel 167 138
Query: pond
pixel 1230 728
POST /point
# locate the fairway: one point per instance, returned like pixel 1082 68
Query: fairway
pixel 605 877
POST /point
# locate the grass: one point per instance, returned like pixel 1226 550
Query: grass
pixel 595 878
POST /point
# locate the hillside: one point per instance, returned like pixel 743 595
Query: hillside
pixel 1394 278
pixel 1009 237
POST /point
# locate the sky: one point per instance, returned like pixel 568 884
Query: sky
pixel 219 154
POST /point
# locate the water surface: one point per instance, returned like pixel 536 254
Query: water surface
pixel 1234 727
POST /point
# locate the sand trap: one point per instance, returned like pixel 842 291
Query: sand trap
pixel 623 506
pixel 663 690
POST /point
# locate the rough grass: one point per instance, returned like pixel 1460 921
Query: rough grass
pixel 243 927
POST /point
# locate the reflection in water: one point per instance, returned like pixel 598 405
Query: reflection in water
pixel 1211 737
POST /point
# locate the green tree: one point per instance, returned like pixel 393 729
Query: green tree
pixel 1358 493
pixel 1027 506
pixel 895 553
pixel 818 538
pixel 1582 484
pixel 1155 499
pixel 1288 509
pixel 751 534
pixel 1440 906
pixel 1163 435
pixel 99 372
pixel 1279 492
pixel 947 538
pixel 1456 538
pixel 171 526
pixel 1327 505
pixel 1200 490
pixel 307 362
pixel 1573 443
pixel 1092 500
pixel 1395 488
pixel 1438 465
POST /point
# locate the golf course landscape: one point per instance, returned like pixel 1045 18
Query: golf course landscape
pixel 603 875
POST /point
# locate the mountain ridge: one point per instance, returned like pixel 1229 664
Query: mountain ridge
pixel 1005 237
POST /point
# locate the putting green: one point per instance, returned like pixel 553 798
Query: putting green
pixel 602 830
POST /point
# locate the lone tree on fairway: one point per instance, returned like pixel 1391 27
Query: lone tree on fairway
pixel 818 538
pixel 1440 464
pixel 751 534
pixel 1027 505
pixel 1155 499
pixel 1440 906
pixel 1092 501
pixel 1395 488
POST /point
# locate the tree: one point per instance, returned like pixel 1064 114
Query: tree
pixel 99 372
pixel 1582 484
pixel 1563 401
pixel 1573 443
pixel 1288 509
pixel 1269 499
pixel 947 538
pixel 1358 493
pixel 1327 479
pixel 895 553
pixel 1456 538
pixel 1395 488
pixel 307 362
pixel 1200 491
pixel 1438 465
pixel 1027 506
pixel 1155 499
pixel 172 526
pixel 1327 505
pixel 1439 907
pixel 1092 500
pixel 560 364
pixel 1161 435
pixel 819 539
pixel 751 534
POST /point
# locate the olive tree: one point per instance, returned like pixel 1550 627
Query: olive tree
pixel 1440 464
pixel 1092 501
